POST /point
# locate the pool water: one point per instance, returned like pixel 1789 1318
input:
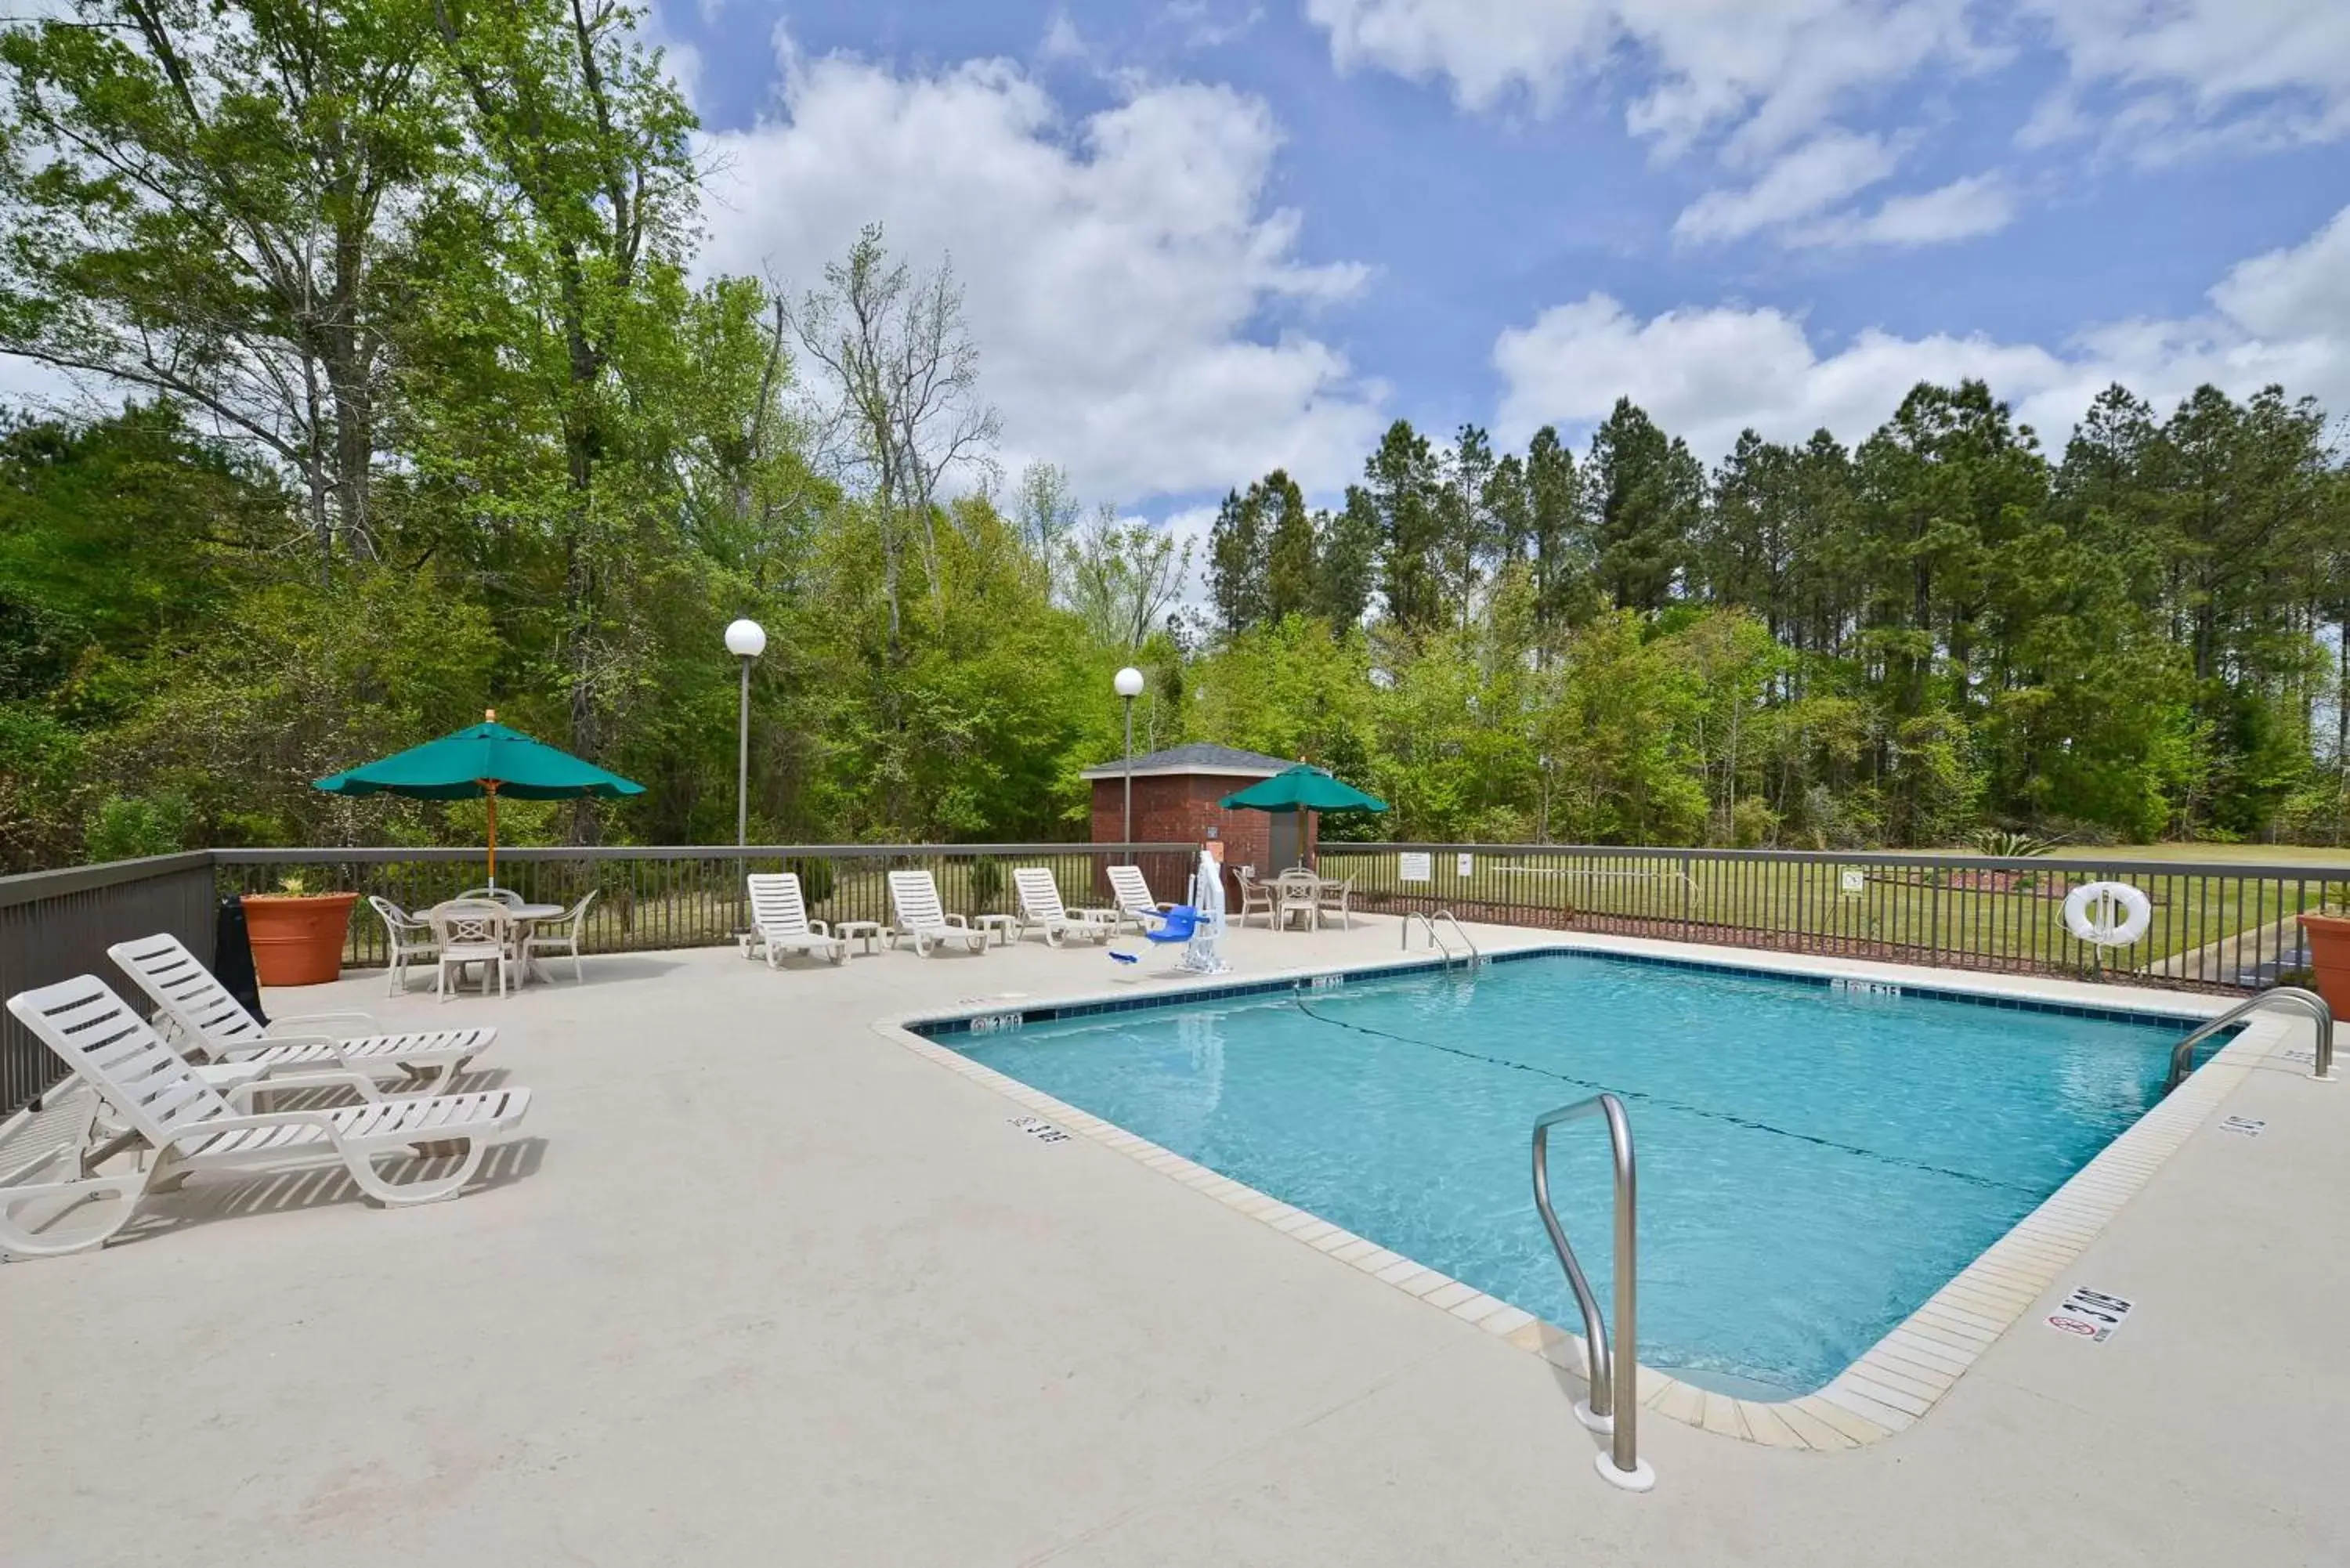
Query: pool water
pixel 1814 1163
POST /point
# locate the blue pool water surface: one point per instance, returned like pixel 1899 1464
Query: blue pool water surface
pixel 1814 1163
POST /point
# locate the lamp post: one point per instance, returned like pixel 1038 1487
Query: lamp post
pixel 746 640
pixel 1129 686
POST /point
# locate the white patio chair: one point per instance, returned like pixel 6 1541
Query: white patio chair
pixel 1040 905
pixel 190 1125
pixel 1297 893
pixel 914 896
pixel 1256 898
pixel 506 896
pixel 408 938
pixel 471 931
pixel 211 1023
pixel 561 934
pixel 1128 886
pixel 780 923
pixel 1337 896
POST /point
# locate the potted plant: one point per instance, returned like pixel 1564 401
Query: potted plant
pixel 297 935
pixel 2327 931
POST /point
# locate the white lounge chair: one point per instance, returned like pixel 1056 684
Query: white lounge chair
pixel 780 923
pixel 915 898
pixel 1040 905
pixel 211 1023
pixel 1134 900
pixel 191 1126
pixel 45 1176
pixel 410 939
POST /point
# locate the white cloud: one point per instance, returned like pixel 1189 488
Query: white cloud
pixel 1807 181
pixel 2301 291
pixel 2206 71
pixel 1962 209
pixel 1767 74
pixel 1118 270
pixel 1707 374
pixel 1062 41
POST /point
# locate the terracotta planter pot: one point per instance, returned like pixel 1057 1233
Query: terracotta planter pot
pixel 298 941
pixel 2329 955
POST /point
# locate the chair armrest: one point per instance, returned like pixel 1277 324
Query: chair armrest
pixel 821 927
pixel 241 1097
pixel 346 1015
pixel 249 1123
pixel 963 920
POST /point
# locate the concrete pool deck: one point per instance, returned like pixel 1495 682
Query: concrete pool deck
pixel 762 1286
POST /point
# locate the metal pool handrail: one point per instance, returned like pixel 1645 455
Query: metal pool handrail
pixel 2309 1002
pixel 1604 1412
pixel 1437 941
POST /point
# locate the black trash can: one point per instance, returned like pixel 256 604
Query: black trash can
pixel 232 957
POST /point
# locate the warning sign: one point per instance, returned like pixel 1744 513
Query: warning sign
pixel 2088 1314
pixel 1413 867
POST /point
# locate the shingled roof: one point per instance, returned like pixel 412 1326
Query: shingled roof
pixel 1199 757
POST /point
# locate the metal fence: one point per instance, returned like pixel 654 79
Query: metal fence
pixel 55 925
pixel 650 898
pixel 2218 926
pixel 2215 926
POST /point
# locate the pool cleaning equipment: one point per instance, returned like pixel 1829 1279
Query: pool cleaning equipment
pixel 1205 955
pixel 2107 914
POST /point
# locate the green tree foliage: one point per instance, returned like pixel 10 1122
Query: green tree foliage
pixel 432 413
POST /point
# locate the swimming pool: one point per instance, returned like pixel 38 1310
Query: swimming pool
pixel 1815 1161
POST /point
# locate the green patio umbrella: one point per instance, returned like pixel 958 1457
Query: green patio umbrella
pixel 485 759
pixel 1302 788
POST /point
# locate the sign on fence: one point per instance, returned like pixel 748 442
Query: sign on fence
pixel 1852 881
pixel 1413 866
pixel 1468 863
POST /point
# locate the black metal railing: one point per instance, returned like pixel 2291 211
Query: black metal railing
pixel 650 898
pixel 2214 926
pixel 2220 925
pixel 55 925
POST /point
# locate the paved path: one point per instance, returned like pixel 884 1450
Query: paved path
pixel 767 1289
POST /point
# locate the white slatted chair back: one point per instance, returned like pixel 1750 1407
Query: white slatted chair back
pixel 473 925
pixel 1133 893
pixel 116 1052
pixel 776 904
pixel 170 975
pixel 1040 896
pixel 915 896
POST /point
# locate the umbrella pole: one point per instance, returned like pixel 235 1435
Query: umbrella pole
pixel 491 788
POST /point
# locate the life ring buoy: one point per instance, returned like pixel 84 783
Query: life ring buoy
pixel 2107 914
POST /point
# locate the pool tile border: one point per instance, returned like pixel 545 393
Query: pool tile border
pixel 1894 1384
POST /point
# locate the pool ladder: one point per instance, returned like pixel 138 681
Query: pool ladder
pixel 1615 1370
pixel 1472 957
pixel 2182 1055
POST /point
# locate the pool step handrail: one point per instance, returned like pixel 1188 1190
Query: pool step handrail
pixel 1619 1364
pixel 2182 1055
pixel 1436 939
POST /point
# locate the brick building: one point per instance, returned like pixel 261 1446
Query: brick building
pixel 1175 797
